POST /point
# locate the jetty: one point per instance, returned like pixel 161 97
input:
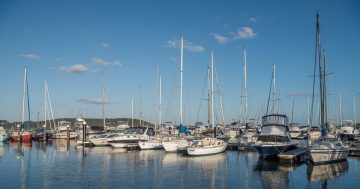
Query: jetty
pixel 293 157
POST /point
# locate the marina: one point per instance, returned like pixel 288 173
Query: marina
pixel 179 94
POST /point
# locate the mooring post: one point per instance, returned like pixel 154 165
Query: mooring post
pixel 68 132
pixel 44 133
pixel 84 134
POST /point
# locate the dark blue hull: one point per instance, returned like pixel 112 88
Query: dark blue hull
pixel 266 151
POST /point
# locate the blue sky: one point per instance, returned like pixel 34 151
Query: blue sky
pixel 81 46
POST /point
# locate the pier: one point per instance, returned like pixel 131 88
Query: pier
pixel 293 157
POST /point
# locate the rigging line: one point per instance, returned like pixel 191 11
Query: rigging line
pixel 316 50
pixel 202 95
pixel 28 100
pixel 268 102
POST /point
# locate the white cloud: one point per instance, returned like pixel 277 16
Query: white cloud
pixel 99 61
pixel 77 68
pixel 94 101
pixel 105 45
pixel 219 38
pixel 31 56
pixel 244 33
pixel 187 45
pixel 252 19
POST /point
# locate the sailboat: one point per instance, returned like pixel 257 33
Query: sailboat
pixel 274 137
pixel 329 149
pixel 21 135
pixel 173 145
pixel 209 145
pixel 153 143
pixel 44 134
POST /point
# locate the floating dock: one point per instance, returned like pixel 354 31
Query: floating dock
pixel 294 156
pixel 354 151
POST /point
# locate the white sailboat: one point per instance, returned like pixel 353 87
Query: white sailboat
pixel 153 143
pixel 329 149
pixel 172 145
pixel 209 145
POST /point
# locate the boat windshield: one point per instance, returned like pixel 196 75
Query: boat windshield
pixel 272 138
pixel 275 119
pixel 135 130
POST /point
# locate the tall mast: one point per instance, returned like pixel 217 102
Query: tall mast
pixel 132 112
pixel 308 110
pixel 212 93
pixel 354 110
pixel 45 105
pixel 23 98
pixel 103 107
pixel 209 96
pixel 273 90
pixel 245 87
pixel 181 77
pixel 160 101
pixel 340 110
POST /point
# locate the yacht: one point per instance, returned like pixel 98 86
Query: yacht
pixel 274 137
pixel 295 132
pixel 347 130
pixel 3 135
pixel 328 150
pixel 207 146
pixel 62 131
pixel 131 137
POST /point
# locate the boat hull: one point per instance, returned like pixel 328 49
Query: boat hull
pixel 99 142
pixel 4 138
pixel 63 135
pixel 149 145
pixel 323 156
pixel 272 150
pixel 25 137
pixel 207 150
pixel 170 146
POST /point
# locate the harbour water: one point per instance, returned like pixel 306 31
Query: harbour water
pixel 60 164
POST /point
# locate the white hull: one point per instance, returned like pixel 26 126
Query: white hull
pixel 148 145
pixel 99 142
pixel 319 156
pixel 206 150
pixel 170 146
pixel 124 145
pixel 63 135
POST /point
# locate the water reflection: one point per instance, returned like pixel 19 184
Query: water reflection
pixel 273 174
pixel 324 172
pixel 63 165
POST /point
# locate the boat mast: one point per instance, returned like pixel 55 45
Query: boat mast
pixel 212 93
pixel 159 101
pixel 132 112
pixel 355 110
pixel 209 97
pixel 103 107
pixel 340 110
pixel 23 98
pixel 245 87
pixel 45 106
pixel 181 77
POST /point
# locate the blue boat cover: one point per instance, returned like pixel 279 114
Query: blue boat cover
pixel 182 129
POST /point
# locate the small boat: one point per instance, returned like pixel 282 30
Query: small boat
pixel 102 140
pixel 295 132
pixel 207 146
pixel 346 131
pixel 314 133
pixel 131 137
pixel 25 136
pixel 63 131
pixel 151 144
pixel 328 150
pixel 3 135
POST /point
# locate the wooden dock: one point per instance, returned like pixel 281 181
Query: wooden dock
pixel 294 156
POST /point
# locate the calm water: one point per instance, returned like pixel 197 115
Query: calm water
pixel 61 165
